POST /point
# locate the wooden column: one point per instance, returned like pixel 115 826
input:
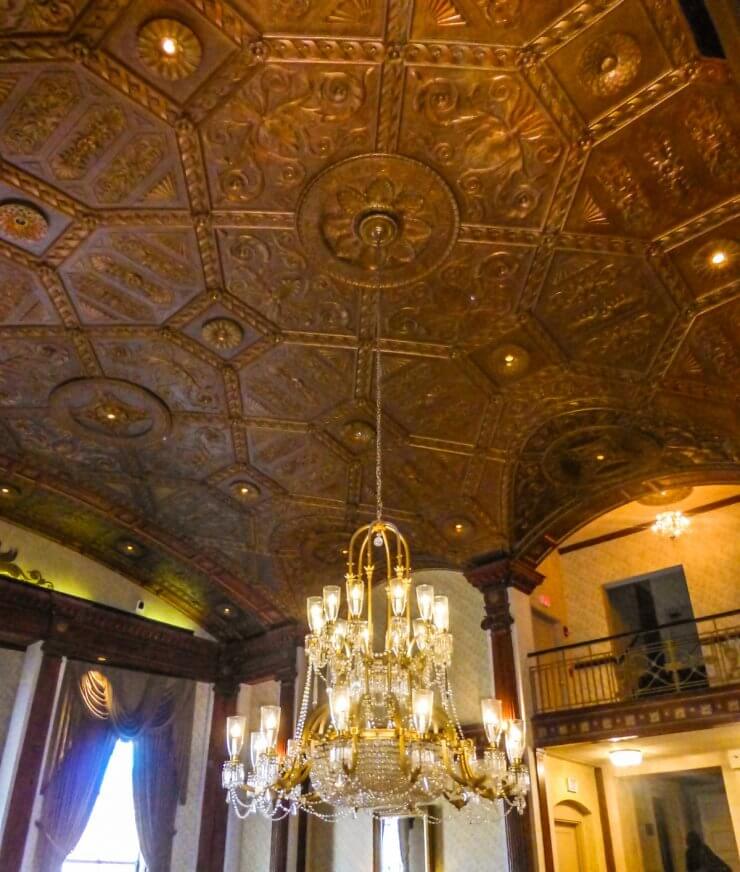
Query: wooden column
pixel 212 841
pixel 606 830
pixel 28 774
pixel 494 578
pixel 280 829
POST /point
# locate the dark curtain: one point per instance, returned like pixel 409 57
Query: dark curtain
pixel 96 709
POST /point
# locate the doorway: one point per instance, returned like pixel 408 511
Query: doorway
pixel 658 647
pixel 569 846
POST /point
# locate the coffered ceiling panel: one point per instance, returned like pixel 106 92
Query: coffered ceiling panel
pixel 204 208
pixel 61 124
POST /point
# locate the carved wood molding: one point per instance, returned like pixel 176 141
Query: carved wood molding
pixel 646 717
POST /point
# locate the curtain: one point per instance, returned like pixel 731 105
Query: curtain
pixel 97 708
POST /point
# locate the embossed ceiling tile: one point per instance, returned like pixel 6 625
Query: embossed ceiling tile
pixel 41 438
pixel 299 463
pixel 139 275
pixel 433 398
pixel 710 355
pixel 22 299
pixel 28 222
pixel 38 16
pixel 64 126
pixel 490 490
pixel 607 62
pixel 182 381
pixel 465 300
pixel 194 448
pixel 655 173
pixel 284 125
pixel 268 270
pixel 320 17
pixel 502 22
pixel 30 368
pixel 192 509
pixel 122 43
pixel 711 260
pixel 487 135
pixel 297 382
pixel 610 311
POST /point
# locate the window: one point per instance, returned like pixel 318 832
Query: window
pixel 110 842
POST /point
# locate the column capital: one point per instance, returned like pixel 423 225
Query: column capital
pixel 502 571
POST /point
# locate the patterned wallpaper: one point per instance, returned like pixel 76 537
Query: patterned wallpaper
pixel 187 822
pixel 11 664
pixel 709 554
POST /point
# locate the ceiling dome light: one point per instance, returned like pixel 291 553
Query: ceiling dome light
pixel 718 258
pixel 622 757
pixel 168 45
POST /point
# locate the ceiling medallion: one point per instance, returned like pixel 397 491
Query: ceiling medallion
pixel 169 48
pixel 223 334
pixel 358 434
pixel 599 454
pixel 22 222
pixel 110 411
pixel 610 63
pixel 245 491
pixel 129 548
pixel 666 496
pixel 378 220
pixel 509 361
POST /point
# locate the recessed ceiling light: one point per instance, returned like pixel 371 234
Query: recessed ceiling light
pixel 8 490
pixel 622 757
pixel 509 358
pixel 111 416
pixel 102 659
pixel 458 528
pixel 599 456
pixel 168 45
pixel 718 257
pixel 129 548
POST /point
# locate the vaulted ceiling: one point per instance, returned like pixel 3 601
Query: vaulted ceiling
pixel 191 195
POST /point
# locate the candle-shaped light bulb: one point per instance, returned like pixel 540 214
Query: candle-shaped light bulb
pixel 397 589
pixel 363 636
pixel 269 724
pixel 421 707
pixel 492 722
pixel 515 740
pixel 425 601
pixel 332 598
pixel 235 727
pixel 421 634
pixel 315 609
pixel 441 613
pixel 340 634
pixel 355 597
pixel 339 701
pixel 257 747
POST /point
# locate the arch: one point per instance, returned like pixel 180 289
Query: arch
pixel 573 805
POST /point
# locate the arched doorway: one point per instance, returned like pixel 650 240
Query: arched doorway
pixel 572 837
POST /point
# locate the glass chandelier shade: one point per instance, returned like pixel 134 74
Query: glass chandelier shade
pixel 388 737
pixel 670 524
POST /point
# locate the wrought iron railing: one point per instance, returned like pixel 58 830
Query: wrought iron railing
pixel 672 658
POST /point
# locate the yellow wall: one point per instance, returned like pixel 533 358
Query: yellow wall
pixel 80 576
pixel 709 554
pixel 557 772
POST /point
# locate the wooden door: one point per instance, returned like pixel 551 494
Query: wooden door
pixel 568 846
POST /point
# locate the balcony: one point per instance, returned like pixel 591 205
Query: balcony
pixel 653 681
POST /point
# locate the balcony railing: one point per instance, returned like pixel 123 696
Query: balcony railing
pixel 672 658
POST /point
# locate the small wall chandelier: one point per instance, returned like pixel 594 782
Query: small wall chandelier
pixel 389 738
pixel 671 524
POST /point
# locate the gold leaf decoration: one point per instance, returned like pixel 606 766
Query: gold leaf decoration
pixel 165 189
pixel 349 11
pixel 445 13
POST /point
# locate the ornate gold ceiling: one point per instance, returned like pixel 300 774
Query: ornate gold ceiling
pixel 190 196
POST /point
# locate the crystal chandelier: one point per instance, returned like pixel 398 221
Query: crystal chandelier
pixel 670 524
pixel 388 738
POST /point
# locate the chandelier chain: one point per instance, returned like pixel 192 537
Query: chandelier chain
pixel 378 411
